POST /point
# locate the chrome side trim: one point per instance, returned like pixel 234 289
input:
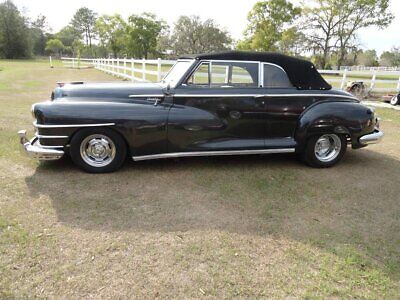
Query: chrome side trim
pixel 372 138
pixel 218 95
pixel 146 95
pixel 212 153
pixel 70 125
pixel 49 147
pixel 265 95
pixel 51 136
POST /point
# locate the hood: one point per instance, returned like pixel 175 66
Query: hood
pixel 109 90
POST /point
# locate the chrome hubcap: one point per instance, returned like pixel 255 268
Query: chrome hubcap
pixel 327 147
pixel 97 150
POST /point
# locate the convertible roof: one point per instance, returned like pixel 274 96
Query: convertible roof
pixel 302 73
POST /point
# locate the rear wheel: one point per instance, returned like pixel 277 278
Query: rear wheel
pixel 98 150
pixel 323 151
pixel 395 100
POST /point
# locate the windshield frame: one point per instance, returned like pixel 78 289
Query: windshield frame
pixel 177 82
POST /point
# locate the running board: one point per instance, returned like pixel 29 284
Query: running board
pixel 212 153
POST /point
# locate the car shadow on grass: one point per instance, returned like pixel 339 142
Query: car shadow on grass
pixel 354 205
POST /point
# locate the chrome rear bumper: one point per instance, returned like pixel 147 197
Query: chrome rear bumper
pixel 35 150
pixel 372 138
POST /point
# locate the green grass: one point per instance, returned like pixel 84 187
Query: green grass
pixel 232 227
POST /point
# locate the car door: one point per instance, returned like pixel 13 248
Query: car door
pixel 217 108
pixel 284 105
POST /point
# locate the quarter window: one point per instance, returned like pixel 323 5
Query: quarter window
pixel 275 77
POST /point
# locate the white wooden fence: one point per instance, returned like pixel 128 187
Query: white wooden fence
pixel 389 80
pixel 132 69
pixel 376 80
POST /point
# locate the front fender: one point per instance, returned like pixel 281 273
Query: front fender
pixel 341 117
pixel 143 126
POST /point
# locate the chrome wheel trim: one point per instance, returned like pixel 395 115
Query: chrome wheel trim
pixel 97 150
pixel 394 100
pixel 327 147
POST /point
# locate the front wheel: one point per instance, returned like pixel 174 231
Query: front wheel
pixel 323 151
pixel 98 150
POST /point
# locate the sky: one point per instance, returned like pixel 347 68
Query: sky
pixel 229 14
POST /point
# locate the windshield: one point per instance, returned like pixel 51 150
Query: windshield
pixel 176 72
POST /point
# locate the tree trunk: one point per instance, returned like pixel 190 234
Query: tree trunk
pixel 90 38
pixel 341 57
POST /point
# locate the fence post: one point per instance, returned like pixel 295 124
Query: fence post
pixel 51 62
pixel 73 63
pixel 143 69
pixel 373 81
pixel 343 85
pixel 112 64
pixel 398 85
pixel 118 66
pixel 125 66
pixel 158 69
pixel 132 69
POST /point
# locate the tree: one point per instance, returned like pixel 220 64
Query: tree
pixel 334 24
pixel 77 48
pixel 68 35
pixel 357 14
pixel 390 58
pixel 14 32
pixel 292 41
pixel 322 20
pixel 142 33
pixel 54 46
pixel 39 29
pixel 268 21
pixel 368 58
pixel 192 35
pixel 111 31
pixel 83 22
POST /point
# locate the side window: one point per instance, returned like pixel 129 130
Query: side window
pixel 200 77
pixel 234 74
pixel 275 77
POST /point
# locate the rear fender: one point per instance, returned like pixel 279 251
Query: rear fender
pixel 342 117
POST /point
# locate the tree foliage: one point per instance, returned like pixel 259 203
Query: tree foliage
pixel 112 32
pixel 142 33
pixel 268 22
pixel 333 24
pixel 39 34
pixel 15 41
pixel 68 35
pixel 368 58
pixel 390 58
pixel 83 22
pixel 192 35
pixel 357 14
pixel 54 46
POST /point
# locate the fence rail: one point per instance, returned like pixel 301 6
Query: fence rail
pixel 132 69
pixel 142 70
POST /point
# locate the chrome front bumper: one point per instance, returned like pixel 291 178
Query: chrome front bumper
pixel 35 150
pixel 372 138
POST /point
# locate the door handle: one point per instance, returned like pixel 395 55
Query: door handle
pixel 259 96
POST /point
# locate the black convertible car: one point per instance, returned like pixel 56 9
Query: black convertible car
pixel 229 103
